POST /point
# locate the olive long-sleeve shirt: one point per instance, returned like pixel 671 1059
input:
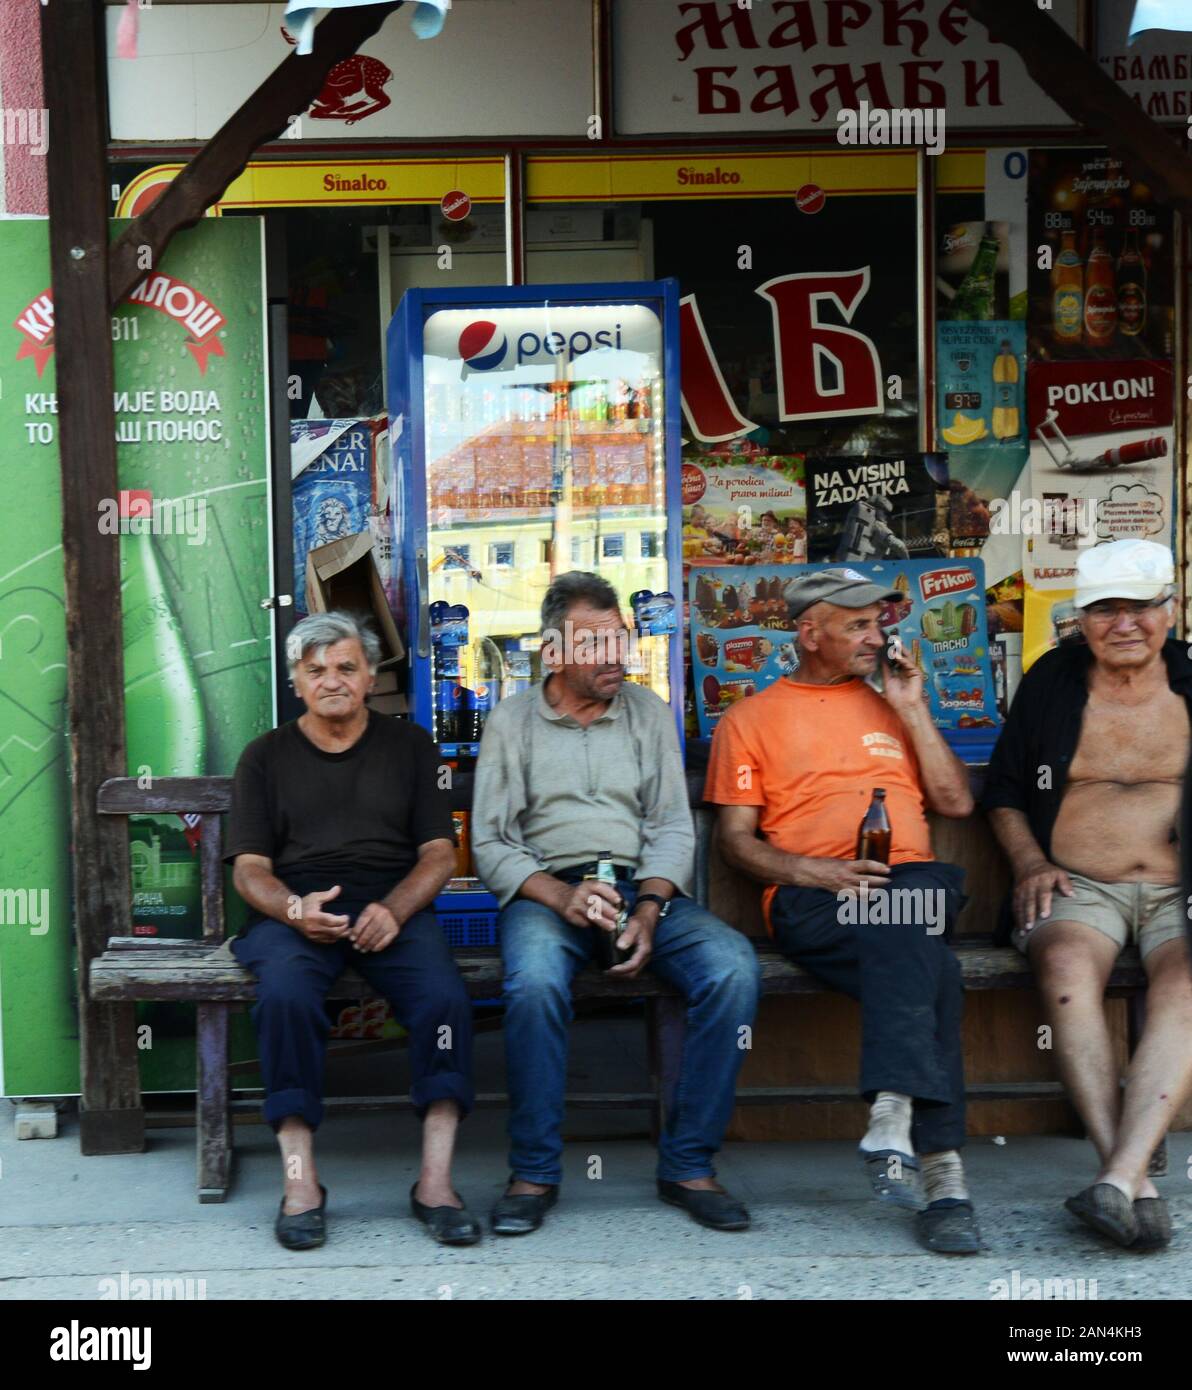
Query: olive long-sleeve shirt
pixel 550 793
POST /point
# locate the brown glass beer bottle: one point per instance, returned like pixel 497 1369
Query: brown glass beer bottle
pixel 873 837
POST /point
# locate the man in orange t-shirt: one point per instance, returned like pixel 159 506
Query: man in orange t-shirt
pixel 794 769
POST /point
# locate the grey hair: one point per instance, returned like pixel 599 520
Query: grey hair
pixel 321 630
pixel 576 586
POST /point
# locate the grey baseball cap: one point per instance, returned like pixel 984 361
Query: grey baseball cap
pixel 846 588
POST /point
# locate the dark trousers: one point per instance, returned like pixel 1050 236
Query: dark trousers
pixel 906 978
pixel 415 973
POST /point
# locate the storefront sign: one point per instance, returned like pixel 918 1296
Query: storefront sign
pixel 334 183
pixel 1156 68
pixel 720 66
pixel 504 67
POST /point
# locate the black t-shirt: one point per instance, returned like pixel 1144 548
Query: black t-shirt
pixel 355 818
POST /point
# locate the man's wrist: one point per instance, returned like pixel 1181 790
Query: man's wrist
pixel 795 863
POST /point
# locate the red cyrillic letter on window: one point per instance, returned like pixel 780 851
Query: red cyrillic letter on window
pixel 803 347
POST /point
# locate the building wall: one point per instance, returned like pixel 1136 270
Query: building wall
pixel 23 189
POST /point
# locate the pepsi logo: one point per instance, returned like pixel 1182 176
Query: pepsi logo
pixel 482 345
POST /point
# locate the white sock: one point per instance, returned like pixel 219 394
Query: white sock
pixel 943 1176
pixel 889 1123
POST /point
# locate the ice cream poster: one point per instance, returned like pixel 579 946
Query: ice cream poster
pixel 742 639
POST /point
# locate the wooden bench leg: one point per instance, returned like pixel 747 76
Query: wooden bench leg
pixel 666 1022
pixel 213 1116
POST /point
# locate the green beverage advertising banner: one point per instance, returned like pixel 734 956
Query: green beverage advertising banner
pixel 192 521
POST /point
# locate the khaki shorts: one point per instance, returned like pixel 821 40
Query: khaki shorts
pixel 1147 914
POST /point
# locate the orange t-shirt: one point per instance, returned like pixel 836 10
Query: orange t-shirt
pixel 810 757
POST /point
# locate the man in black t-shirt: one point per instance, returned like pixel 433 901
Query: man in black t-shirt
pixel 341 837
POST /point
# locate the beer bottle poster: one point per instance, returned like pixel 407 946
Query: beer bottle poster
pixel 742 638
pixel 877 508
pixel 1102 284
pixel 192 523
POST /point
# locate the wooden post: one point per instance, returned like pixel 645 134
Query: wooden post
pixel 111 1117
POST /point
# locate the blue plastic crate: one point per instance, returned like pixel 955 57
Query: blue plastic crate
pixel 467 919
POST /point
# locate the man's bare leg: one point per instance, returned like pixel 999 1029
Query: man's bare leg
pixel 300 1189
pixel 1160 1074
pixel 438 1148
pixel 1072 964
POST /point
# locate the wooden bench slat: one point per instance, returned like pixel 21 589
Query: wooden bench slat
pixel 124 796
pixel 135 968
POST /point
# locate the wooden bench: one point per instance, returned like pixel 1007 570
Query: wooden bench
pixel 197 971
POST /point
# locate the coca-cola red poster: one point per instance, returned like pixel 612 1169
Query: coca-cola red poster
pixel 1100 261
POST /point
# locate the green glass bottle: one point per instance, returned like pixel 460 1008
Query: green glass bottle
pixel 167 737
pixel 975 297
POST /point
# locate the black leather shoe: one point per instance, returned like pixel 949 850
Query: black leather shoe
pixel 306 1230
pixel 518 1216
pixel 717 1210
pixel 448 1225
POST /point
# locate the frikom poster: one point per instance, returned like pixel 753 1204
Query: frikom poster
pixel 742 639
pixel 192 523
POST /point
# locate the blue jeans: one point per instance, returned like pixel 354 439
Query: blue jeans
pixel 715 969
pixel 415 973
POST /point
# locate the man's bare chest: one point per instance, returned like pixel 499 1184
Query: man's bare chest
pixel 1145 742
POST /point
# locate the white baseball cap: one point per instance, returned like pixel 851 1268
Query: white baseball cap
pixel 1133 569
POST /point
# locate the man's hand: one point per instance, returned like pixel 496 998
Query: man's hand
pixel 590 904
pixel 317 925
pixel 903 682
pixel 375 928
pixel 1033 891
pixel 638 937
pixel 839 875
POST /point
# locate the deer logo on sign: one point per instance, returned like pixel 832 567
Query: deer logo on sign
pixel 354 89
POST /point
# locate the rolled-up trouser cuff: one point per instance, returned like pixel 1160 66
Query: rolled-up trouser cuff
pixel 443 1086
pixel 666 1174
pixel 305 1105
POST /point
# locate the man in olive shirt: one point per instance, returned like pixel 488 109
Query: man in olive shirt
pixel 341 837
pixel 583 763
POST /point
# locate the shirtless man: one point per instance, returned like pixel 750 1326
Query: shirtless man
pixel 1083 793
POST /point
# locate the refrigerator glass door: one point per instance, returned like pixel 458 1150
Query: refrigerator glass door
pixel 544 447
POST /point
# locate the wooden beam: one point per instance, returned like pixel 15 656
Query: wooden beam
pixel 284 94
pixel 1075 81
pixel 111 1118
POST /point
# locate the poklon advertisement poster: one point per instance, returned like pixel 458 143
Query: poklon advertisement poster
pixel 742 639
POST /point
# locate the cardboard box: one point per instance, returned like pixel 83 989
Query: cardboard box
pixel 344 575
